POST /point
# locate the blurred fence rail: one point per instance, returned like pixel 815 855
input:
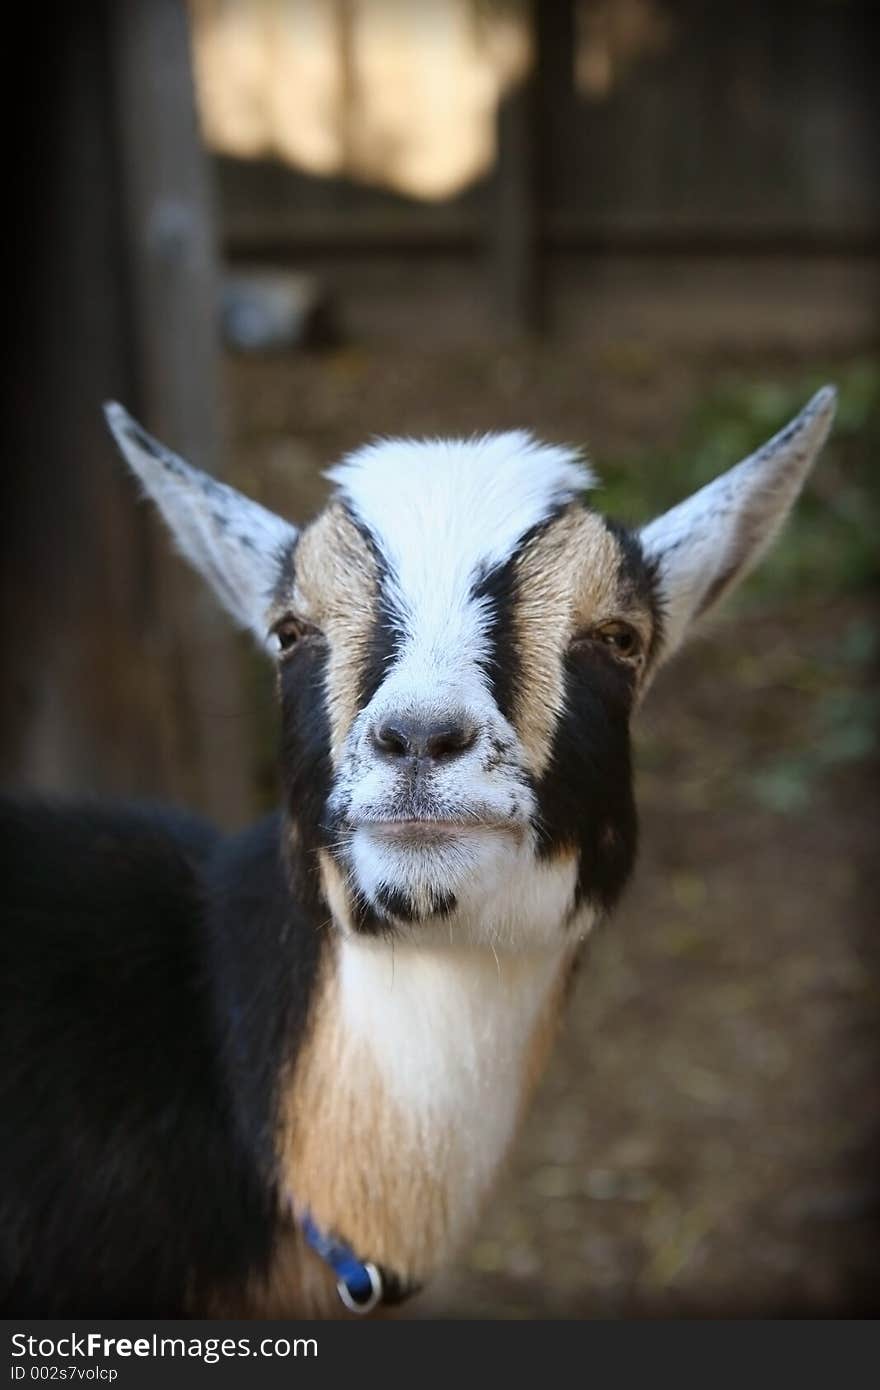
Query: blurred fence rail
pixel 642 126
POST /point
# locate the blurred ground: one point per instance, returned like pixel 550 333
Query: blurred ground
pixel 706 1139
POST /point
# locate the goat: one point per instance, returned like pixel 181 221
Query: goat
pixel 240 1073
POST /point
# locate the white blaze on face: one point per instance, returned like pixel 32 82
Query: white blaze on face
pixel 444 513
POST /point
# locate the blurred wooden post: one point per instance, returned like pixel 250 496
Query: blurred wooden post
pixel 125 677
pixel 521 174
pixel 170 250
pixel 514 240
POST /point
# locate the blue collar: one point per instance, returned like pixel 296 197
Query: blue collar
pixel 359 1284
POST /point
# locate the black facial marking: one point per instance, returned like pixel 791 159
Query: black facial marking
pixel 443 904
pixel 366 920
pixel 497 588
pixel 305 743
pixel 585 796
pixel 387 634
pixel 398 903
pixel 638 578
pixel 382 648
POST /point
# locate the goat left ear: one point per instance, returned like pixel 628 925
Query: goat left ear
pixel 703 547
pixel 236 544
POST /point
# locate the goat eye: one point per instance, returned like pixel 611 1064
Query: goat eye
pixel 291 630
pixel 621 637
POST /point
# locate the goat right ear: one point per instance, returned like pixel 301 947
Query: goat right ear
pixel 236 544
pixel 706 545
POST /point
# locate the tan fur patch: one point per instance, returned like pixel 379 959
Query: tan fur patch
pixel 335 891
pixel 546 1029
pixel 568 580
pixel 350 1158
pixel 335 588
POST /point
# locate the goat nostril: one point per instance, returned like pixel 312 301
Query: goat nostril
pixel 451 740
pixel 391 739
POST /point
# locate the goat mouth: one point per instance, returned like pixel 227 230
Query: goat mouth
pixel 417 828
pixel 430 829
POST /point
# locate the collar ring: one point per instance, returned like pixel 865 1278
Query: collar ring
pixel 362 1305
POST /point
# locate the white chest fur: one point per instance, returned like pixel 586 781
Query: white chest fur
pixel 450 1031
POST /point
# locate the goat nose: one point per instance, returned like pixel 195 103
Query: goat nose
pixel 440 740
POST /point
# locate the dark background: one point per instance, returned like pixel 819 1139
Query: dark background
pixel 672 244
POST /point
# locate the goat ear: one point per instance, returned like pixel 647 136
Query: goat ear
pixel 703 547
pixel 236 544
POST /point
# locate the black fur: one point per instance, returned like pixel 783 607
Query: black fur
pixel 306 767
pixel 395 902
pixel 585 796
pixel 137 1079
pixel 398 903
pixel 498 588
pixel 264 948
pixel 366 919
pixel 307 772
pixel 386 635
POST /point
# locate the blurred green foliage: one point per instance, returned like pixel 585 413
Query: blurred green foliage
pixel 841 724
pixel 830 546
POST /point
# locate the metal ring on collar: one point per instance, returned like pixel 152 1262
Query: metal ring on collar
pixel 365 1305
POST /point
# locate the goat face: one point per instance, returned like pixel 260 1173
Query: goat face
pixel 461 641
pixel 474 637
